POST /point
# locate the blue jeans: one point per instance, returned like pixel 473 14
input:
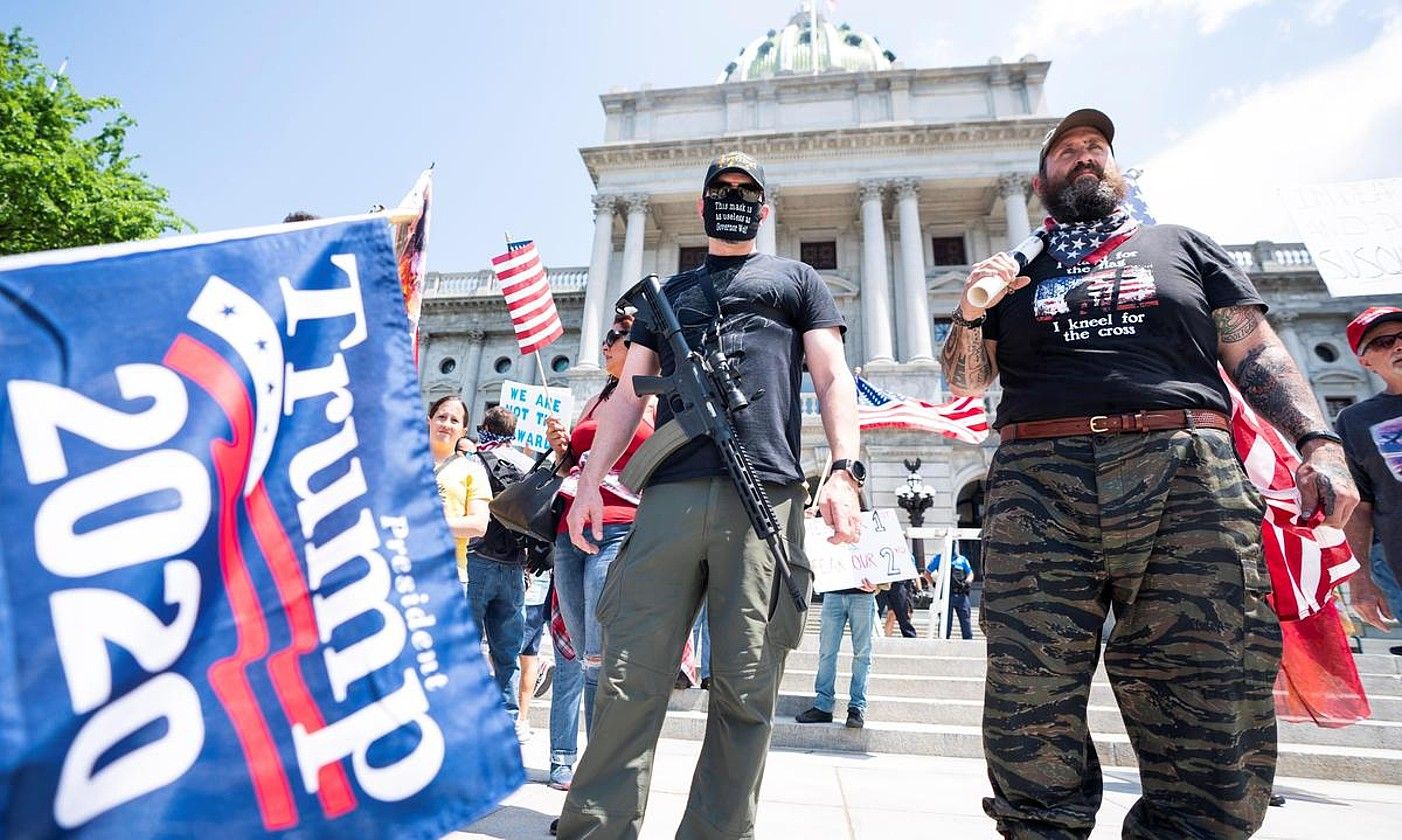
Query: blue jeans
pixel 839 611
pixel 564 708
pixel 579 578
pixel 701 642
pixel 496 594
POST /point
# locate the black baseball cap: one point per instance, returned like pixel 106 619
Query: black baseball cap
pixel 1084 118
pixel 735 162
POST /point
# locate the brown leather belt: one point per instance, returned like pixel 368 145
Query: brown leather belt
pixel 1115 424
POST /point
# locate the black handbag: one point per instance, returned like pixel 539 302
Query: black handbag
pixel 532 506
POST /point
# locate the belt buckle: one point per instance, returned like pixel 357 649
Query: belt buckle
pixel 1097 419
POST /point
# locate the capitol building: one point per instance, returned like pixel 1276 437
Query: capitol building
pixel 890 181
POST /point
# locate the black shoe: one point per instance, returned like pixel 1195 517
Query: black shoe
pixel 705 683
pixel 814 715
pixel 1395 650
pixel 855 718
pixel 1277 800
pixel 554 826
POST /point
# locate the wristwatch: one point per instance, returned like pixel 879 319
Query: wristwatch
pixel 852 467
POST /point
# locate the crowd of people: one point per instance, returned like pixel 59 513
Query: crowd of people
pixel 1115 493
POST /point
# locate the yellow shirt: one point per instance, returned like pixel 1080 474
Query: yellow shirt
pixel 462 481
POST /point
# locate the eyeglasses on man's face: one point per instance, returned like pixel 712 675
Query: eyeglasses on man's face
pixel 721 191
pixel 1382 342
pixel 612 336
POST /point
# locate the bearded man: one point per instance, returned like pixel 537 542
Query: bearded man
pixel 1115 486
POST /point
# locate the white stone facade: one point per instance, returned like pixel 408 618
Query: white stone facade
pixel 902 177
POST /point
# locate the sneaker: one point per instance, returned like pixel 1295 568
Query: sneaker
pixel 1277 801
pixel 561 776
pixel 705 683
pixel 855 718
pixel 814 715
pixel 1395 650
pixel 523 730
pixel 543 678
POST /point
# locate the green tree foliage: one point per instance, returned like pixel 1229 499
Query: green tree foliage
pixel 64 180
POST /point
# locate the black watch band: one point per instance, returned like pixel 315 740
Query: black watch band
pixel 1321 435
pixel 852 467
pixel 960 321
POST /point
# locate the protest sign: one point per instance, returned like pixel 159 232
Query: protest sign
pixel 228 603
pixel 881 555
pixel 533 405
pixel 1354 232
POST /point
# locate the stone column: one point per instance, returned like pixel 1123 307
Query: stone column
pixel 632 246
pixel 423 351
pixel 916 328
pixel 766 242
pixel 596 293
pixel 1013 188
pixel 472 369
pixel 875 290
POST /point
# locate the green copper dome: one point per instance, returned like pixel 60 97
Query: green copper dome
pixel 789 51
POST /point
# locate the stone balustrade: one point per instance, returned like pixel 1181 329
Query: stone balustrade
pixel 482 283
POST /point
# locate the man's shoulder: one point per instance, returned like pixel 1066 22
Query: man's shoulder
pixel 1366 412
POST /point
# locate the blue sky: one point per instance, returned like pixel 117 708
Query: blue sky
pixel 249 109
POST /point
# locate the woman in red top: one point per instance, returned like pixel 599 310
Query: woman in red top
pixel 579 577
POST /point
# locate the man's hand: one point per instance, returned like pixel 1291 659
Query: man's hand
pixel 867 586
pixel 1368 601
pixel 587 509
pixel 1325 485
pixel 1000 267
pixel 841 508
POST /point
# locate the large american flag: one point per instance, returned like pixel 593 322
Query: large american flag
pixel 962 418
pixel 528 299
pixel 1305 563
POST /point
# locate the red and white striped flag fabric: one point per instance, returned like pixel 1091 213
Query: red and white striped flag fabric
pixel 1305 562
pixel 528 298
pixel 962 418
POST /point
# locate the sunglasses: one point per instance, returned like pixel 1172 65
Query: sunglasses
pixel 1382 342
pixel 745 192
pixel 612 336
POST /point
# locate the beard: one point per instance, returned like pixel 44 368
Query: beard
pixel 1080 199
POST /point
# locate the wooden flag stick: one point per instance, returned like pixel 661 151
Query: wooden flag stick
pixel 539 363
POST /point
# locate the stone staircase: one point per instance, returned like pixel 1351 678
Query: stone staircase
pixel 925 697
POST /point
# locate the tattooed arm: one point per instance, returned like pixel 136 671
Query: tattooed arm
pixel 966 358
pixel 1271 384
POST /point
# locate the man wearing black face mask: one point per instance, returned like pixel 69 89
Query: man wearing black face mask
pixel 1116 487
pixel 691 538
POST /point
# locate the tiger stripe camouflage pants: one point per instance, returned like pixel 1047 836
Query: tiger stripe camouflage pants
pixel 1164 528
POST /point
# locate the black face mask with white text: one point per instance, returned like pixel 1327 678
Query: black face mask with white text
pixel 731 218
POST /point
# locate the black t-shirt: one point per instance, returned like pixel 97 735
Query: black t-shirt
pixel 1134 331
pixel 1372 433
pixel 767 304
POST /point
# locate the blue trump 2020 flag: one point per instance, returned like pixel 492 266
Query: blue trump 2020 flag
pixel 228 603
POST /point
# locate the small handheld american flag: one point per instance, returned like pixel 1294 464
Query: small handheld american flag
pixel 528 299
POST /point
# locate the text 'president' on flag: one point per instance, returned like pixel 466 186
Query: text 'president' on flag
pixel 528 298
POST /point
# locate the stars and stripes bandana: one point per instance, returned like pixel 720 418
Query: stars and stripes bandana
pixel 1073 243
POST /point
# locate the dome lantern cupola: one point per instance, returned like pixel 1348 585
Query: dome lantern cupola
pixel 790 51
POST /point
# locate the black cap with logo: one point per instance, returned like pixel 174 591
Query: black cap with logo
pixel 735 162
pixel 1084 118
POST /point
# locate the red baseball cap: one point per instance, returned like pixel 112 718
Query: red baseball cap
pixel 1366 320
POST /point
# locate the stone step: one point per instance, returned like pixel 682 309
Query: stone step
pixel 1304 760
pixel 1369 733
pixel 1386 699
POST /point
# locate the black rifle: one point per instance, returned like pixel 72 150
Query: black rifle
pixel 703 394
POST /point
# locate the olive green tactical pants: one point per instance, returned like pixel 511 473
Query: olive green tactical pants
pixel 1165 527
pixel 691 540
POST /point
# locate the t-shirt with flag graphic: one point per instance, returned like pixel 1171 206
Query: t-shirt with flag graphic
pixel 1372 433
pixel 1132 331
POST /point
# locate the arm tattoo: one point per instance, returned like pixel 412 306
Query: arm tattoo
pixel 965 359
pixel 1270 383
pixel 1235 323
